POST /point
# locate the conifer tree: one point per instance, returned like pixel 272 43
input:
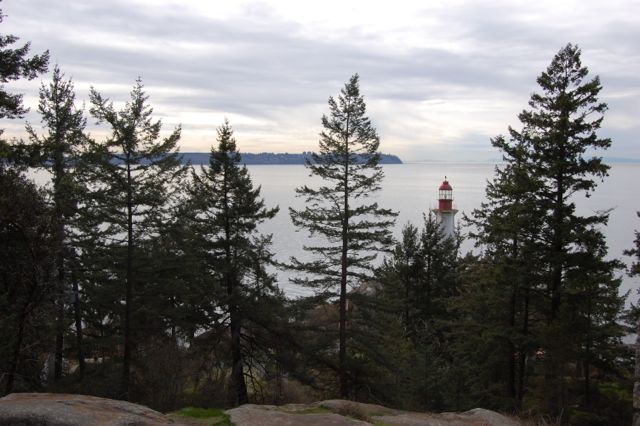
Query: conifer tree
pixel 506 228
pixel 635 271
pixel 15 65
pixel 419 282
pixel 541 239
pixel 135 177
pixel 26 265
pixel 561 132
pixel 60 151
pixel 226 210
pixel 336 210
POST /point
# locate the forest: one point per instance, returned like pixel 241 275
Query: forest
pixel 135 275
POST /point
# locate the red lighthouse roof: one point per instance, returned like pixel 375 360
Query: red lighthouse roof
pixel 445 186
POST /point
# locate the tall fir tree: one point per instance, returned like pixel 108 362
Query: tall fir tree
pixel 136 177
pixel 15 65
pixel 541 239
pixel 347 163
pixel 226 210
pixel 506 228
pixel 561 132
pixel 419 282
pixel 26 284
pixel 60 150
pixel 634 271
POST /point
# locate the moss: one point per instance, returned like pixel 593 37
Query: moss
pixel 210 416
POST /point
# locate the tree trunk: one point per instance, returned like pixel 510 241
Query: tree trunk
pixel 239 387
pixel 59 349
pixel 344 385
pixel 17 348
pixel 126 362
pixel 78 322
pixel 511 348
pixel 636 383
pixel 522 359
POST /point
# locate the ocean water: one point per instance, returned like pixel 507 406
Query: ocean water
pixel 412 189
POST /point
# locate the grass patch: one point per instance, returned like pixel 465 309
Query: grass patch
pixel 210 416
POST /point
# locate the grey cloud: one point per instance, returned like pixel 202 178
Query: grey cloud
pixel 262 66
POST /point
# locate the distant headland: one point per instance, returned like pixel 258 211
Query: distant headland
pixel 273 158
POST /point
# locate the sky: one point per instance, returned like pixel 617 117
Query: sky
pixel 440 78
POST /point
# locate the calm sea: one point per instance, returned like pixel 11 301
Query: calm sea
pixel 412 189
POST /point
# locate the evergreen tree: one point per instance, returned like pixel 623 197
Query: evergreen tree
pixel 347 162
pixel 60 151
pixel 419 282
pixel 635 271
pixel 560 128
pixel 635 267
pixel 534 233
pixel 26 285
pixel 25 239
pixel 135 177
pixel 226 211
pixel 15 65
pixel 506 228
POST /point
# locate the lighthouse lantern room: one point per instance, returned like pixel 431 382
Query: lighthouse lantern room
pixel 445 213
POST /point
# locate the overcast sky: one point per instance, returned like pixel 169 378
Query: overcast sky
pixel 439 77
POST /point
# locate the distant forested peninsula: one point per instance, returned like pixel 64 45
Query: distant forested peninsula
pixel 273 158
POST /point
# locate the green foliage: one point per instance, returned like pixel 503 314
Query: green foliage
pixel 224 212
pixel 215 416
pixel 546 264
pixel 410 314
pixel 16 65
pixel 59 152
pixel 635 252
pixel 354 231
pixel 26 266
pixel 135 178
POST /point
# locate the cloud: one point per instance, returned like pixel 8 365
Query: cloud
pixel 443 74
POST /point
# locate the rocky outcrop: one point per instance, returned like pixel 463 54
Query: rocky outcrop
pixel 49 409
pixel 46 409
pixel 262 415
pixel 347 413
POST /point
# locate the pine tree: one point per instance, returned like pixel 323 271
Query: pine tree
pixel 60 150
pixel 506 228
pixel 347 162
pixel 26 266
pixel 226 211
pixel 560 128
pixel 135 177
pixel 15 65
pixel 635 271
pixel 532 228
pixel 419 282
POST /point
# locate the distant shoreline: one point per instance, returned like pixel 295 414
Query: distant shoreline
pixel 270 158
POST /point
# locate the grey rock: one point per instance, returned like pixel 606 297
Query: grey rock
pixel 49 409
pixel 347 412
pixel 258 415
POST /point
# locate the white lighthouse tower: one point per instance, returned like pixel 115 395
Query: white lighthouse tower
pixel 445 212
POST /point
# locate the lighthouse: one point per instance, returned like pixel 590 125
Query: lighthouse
pixel 445 212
